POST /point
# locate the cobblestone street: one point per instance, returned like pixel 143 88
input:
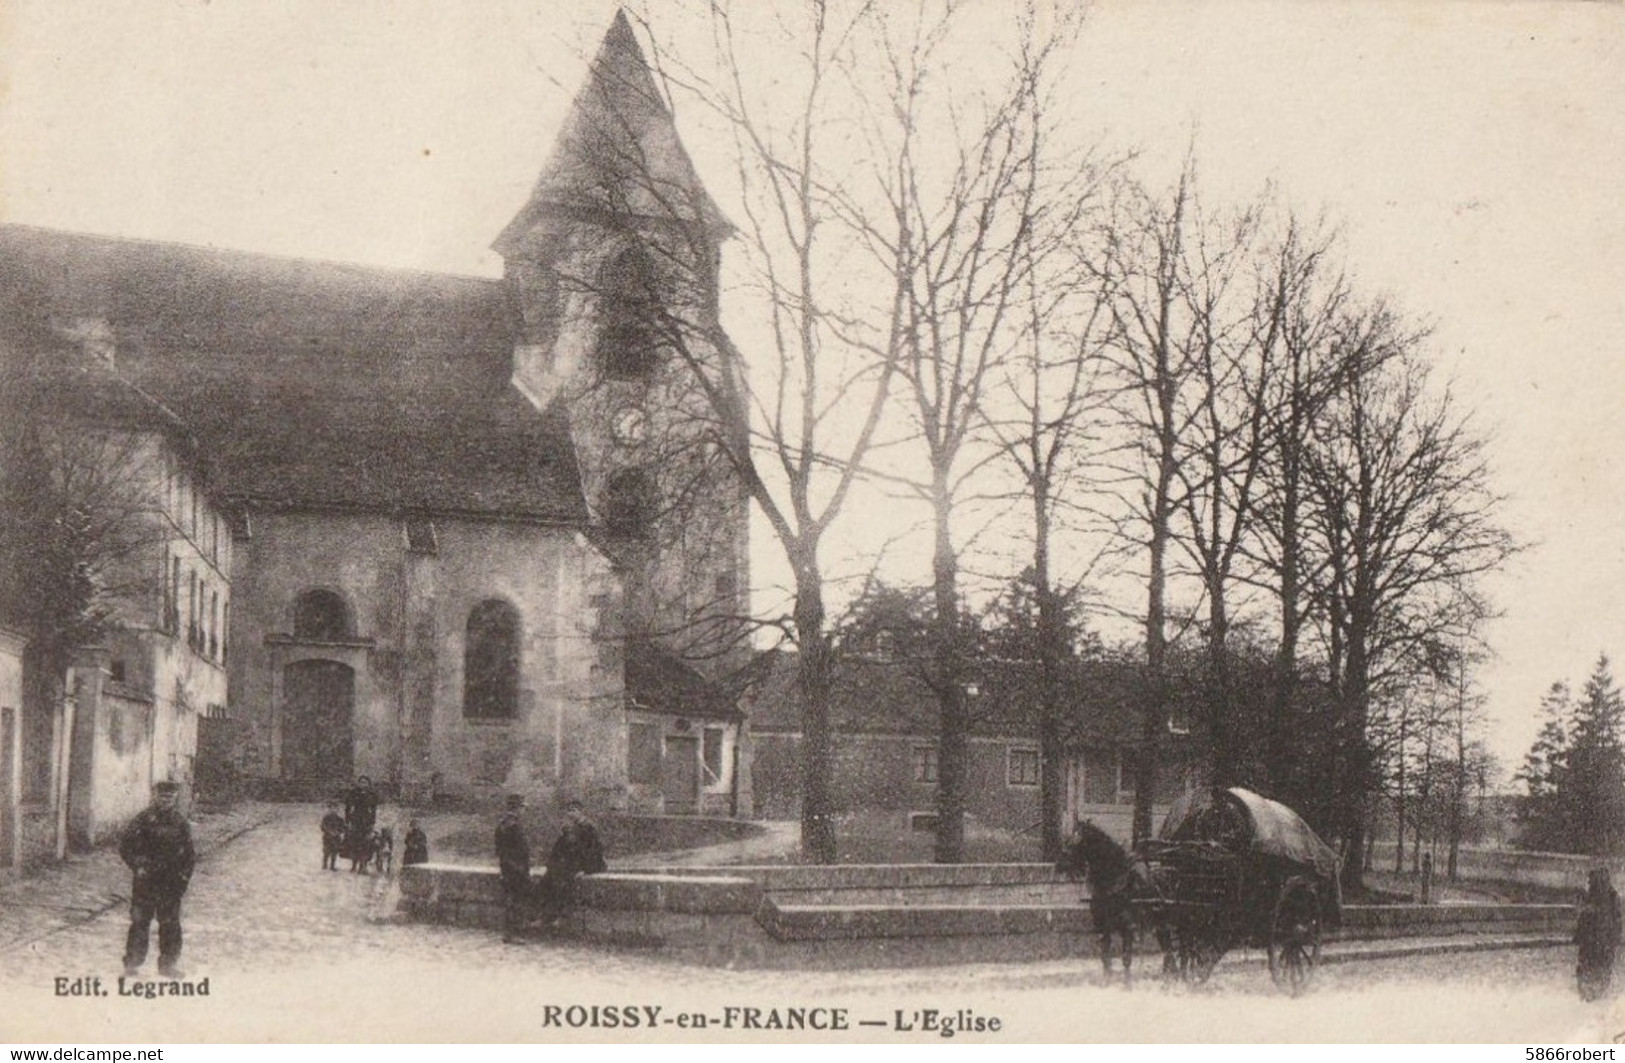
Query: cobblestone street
pixel 296 953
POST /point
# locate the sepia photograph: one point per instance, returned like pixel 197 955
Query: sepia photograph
pixel 811 521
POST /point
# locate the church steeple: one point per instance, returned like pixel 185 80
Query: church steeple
pixel 618 158
pixel 613 267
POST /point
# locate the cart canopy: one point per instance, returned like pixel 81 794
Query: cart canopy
pixel 1243 819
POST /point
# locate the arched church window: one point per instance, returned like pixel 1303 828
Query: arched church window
pixel 631 306
pixel 629 503
pixel 321 616
pixel 491 662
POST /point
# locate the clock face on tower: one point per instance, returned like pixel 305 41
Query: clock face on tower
pixel 630 425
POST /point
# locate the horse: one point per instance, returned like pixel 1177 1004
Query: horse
pixel 1114 882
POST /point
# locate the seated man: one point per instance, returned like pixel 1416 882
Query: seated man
pixel 577 852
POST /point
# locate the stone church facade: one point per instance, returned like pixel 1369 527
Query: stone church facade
pixel 481 535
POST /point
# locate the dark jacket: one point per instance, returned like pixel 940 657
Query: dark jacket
pixel 417 847
pixel 577 852
pixel 157 846
pixel 513 849
pixel 332 827
pixel 361 809
pixel 1598 932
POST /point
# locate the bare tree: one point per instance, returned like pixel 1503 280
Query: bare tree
pixel 1406 520
pixel 1301 307
pixel 80 503
pixel 986 225
pixel 1140 271
pixel 1231 355
pixel 1053 383
pixel 795 411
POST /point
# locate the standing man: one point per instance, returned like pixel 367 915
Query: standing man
pixel 157 847
pixel 577 852
pixel 360 816
pixel 513 857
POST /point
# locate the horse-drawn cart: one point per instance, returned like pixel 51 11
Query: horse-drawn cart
pixel 1231 869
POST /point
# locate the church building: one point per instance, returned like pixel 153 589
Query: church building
pixel 481 534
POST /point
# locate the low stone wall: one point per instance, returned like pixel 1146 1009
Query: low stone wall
pixel 905 884
pixel 472 896
pixel 1370 922
pixel 803 917
pixel 1552 870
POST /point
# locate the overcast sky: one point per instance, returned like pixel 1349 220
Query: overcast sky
pixel 1475 153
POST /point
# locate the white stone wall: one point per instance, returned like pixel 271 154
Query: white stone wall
pixel 139 696
pixel 410 614
pixel 11 701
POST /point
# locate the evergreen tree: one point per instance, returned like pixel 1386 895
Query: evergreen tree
pixel 1543 824
pixel 1591 782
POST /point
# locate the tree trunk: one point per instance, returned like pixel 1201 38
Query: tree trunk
pixel 1286 663
pixel 1053 654
pixel 1155 719
pixel 1399 804
pixel 1458 794
pixel 1225 769
pixel 953 745
pixel 814 679
pixel 1356 755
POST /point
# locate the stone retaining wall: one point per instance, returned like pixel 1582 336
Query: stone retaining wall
pixel 805 916
pixel 1369 922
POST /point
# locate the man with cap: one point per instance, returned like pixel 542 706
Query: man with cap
pixel 157 847
pixel 513 857
pixel 577 852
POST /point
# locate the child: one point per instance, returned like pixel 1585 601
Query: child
pixel 332 837
pixel 417 845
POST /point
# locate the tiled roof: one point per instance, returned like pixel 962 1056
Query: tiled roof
pixel 314 384
pixel 659 681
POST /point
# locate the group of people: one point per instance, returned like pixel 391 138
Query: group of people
pixel 527 903
pixel 157 848
pixel 353 833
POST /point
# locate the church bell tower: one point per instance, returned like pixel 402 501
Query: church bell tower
pixel 612 267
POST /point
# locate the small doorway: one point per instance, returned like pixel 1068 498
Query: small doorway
pixel 680 774
pixel 318 708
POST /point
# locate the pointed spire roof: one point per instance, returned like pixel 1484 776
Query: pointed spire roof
pixel 618 152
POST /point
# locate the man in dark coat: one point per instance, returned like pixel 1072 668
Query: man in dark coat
pixel 360 816
pixel 157 847
pixel 513 858
pixel 417 845
pixel 1598 935
pixel 577 852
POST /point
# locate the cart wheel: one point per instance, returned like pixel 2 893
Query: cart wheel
pixel 1294 946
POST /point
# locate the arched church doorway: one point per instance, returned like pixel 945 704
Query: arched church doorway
pixel 318 707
